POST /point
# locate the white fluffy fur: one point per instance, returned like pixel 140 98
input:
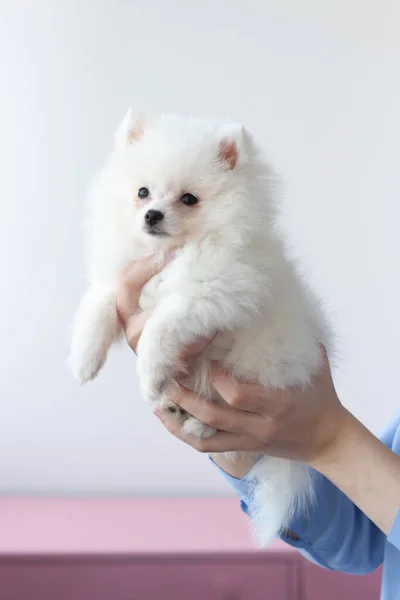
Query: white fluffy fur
pixel 230 275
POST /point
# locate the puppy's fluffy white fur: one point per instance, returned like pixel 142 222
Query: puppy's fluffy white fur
pixel 230 276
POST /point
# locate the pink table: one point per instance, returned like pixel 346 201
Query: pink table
pixel 144 549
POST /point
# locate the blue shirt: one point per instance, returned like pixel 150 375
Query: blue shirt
pixel 336 534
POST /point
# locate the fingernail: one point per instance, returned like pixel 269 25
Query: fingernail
pixel 157 414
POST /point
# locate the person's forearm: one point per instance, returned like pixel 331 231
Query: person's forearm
pixel 364 469
pixel 359 464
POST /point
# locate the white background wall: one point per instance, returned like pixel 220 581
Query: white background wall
pixel 318 82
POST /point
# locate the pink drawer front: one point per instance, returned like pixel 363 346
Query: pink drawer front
pixel 330 585
pixel 130 579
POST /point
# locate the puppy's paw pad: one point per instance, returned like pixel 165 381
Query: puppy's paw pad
pixel 171 409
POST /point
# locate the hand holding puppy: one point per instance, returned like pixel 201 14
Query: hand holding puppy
pixel 298 423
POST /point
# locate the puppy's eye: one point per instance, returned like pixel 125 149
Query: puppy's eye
pixel 143 193
pixel 189 199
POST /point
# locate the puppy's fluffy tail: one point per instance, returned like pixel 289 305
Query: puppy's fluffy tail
pixel 283 488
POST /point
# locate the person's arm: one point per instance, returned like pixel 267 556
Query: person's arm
pixel 334 532
pixel 366 471
pixel 361 466
pixel 306 424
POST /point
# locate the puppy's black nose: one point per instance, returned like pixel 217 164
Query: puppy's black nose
pixel 153 216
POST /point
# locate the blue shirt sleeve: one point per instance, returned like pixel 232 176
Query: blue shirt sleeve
pixel 336 534
pixel 394 535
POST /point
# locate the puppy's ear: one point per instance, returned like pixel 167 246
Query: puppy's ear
pixel 130 129
pixel 233 146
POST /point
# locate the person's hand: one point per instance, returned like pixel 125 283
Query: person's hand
pixel 298 423
pixel 306 424
pixel 132 281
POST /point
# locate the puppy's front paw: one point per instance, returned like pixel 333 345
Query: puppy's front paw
pixel 158 361
pixel 96 326
pixel 86 361
pixel 154 372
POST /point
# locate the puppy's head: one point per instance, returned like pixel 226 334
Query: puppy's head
pixel 186 178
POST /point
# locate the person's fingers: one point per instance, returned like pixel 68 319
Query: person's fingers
pixel 219 416
pixel 244 396
pixel 132 280
pixel 220 442
pixel 324 353
pixel 134 328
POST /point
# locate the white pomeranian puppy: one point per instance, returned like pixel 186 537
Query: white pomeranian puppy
pixel 203 191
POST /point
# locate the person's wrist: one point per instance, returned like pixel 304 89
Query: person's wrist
pixel 238 468
pixel 337 446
